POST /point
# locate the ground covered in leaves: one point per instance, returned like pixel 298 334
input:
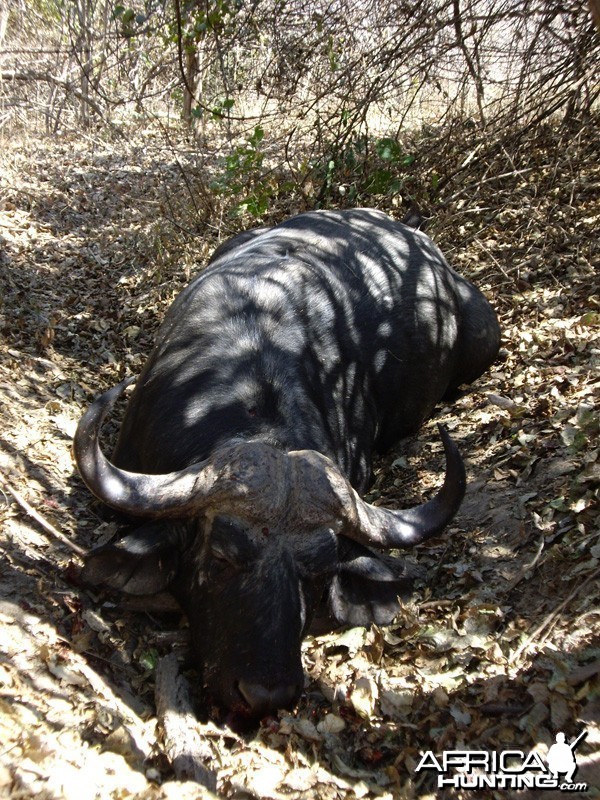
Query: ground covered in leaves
pixel 498 648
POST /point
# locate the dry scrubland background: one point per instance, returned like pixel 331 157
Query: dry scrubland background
pixel 134 139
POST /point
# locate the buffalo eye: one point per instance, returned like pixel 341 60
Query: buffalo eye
pixel 222 561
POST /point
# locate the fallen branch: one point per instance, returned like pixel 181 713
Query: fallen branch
pixel 35 515
pixel 544 629
pixel 529 565
pixel 185 748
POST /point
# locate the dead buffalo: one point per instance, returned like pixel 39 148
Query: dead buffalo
pixel 296 355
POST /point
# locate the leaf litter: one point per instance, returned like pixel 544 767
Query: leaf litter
pixel 498 646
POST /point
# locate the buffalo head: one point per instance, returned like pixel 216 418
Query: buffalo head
pixel 250 541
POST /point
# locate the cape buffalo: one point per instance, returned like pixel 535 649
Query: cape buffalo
pixel 296 355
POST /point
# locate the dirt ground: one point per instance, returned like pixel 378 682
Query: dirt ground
pixel 498 649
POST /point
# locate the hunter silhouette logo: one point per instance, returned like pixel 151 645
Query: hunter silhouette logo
pixel 561 757
pixel 507 769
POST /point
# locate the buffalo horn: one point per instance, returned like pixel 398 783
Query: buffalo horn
pixel 234 478
pixel 173 494
pixel 386 528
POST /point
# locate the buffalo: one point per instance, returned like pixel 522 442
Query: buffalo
pixel 247 444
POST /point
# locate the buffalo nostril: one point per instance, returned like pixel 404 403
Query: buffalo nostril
pixel 264 700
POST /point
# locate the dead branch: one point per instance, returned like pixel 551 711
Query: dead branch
pixel 46 77
pixel 43 523
pixel 186 750
pixel 544 629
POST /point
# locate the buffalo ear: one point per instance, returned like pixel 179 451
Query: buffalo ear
pixel 143 562
pixel 367 586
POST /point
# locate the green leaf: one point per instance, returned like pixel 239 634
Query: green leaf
pixel 255 205
pixel 148 659
pixel 388 149
pixel 257 136
pixel 380 181
pixel 558 504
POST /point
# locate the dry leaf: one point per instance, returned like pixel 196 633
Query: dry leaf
pixel 363 696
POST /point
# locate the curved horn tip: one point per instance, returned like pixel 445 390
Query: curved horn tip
pixel 394 528
pixel 120 387
pixel 454 459
pixel 92 419
pixel 85 445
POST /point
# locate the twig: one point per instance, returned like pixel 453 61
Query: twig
pixel 186 750
pixel 529 566
pixel 550 621
pixel 481 245
pixel 15 75
pixel 471 188
pixel 35 515
pixel 475 73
